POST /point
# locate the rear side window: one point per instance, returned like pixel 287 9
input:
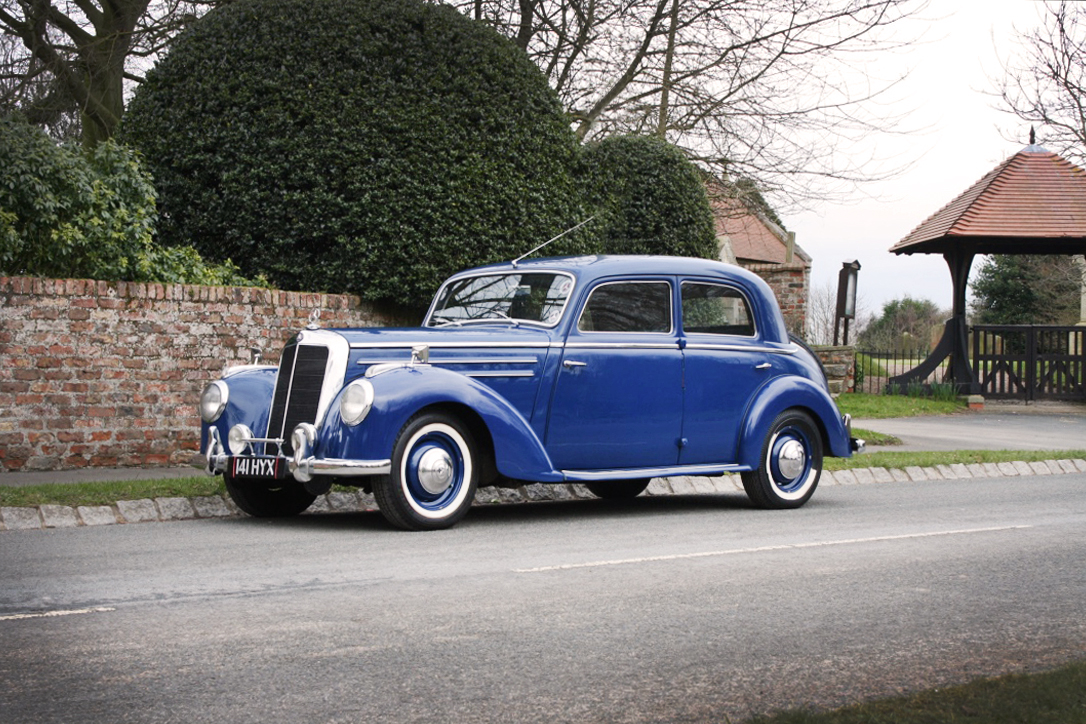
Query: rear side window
pixel 628 307
pixel 715 309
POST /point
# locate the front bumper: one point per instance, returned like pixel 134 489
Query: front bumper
pixel 303 466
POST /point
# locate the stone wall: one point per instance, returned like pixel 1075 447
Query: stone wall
pixel 790 282
pixel 108 373
pixel 840 365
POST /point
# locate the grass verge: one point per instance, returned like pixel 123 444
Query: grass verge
pixel 875 438
pixel 929 459
pixel 1053 697
pixel 107 493
pixel 863 405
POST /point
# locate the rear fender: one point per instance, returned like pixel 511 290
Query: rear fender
pixel 783 393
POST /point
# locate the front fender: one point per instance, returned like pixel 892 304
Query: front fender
pixel 249 403
pixel 783 393
pixel 401 393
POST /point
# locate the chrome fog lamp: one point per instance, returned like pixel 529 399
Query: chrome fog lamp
pixel 356 402
pixel 213 401
pixel 238 439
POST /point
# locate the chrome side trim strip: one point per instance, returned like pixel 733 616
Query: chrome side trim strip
pixel 452 345
pixel 496 361
pixel 465 361
pixel 511 373
pixel 741 348
pixel 627 473
pixel 622 345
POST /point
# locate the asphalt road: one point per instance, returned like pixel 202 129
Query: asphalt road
pixel 677 609
pixel 999 427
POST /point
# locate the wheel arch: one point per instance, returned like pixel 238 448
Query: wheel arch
pixel 786 393
pixel 480 433
pixel 504 437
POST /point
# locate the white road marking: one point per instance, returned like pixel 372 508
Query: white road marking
pixel 52 614
pixel 764 549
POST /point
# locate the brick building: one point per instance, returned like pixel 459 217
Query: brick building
pixel 753 241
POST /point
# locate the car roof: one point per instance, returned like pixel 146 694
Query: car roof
pixel 587 268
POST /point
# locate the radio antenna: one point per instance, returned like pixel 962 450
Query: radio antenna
pixel 548 241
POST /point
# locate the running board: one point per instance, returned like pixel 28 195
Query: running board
pixel 588 476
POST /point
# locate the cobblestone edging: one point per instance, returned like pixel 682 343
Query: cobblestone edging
pixel 164 509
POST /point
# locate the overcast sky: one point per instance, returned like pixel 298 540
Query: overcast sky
pixel 948 77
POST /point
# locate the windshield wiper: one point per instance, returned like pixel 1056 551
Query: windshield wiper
pixel 445 321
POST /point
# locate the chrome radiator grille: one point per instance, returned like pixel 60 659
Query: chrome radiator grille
pixel 297 392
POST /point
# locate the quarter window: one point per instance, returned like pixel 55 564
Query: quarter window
pixel 715 309
pixel 628 307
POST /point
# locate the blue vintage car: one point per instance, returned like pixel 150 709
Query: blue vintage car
pixel 605 370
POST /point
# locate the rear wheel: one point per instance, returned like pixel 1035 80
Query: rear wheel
pixel 617 489
pixel 791 463
pixel 269 498
pixel 435 471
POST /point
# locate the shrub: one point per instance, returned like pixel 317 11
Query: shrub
pixel 369 146
pixel 649 198
pixel 66 212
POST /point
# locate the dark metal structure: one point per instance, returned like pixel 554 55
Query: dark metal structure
pixel 1032 203
pixel 1030 362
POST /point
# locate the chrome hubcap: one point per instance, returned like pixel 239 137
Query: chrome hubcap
pixel 435 471
pixel 792 459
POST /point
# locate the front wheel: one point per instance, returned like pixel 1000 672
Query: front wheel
pixel 434 474
pixel 268 499
pixel 617 489
pixel 791 463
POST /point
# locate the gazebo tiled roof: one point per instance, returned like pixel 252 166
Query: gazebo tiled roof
pixel 1032 203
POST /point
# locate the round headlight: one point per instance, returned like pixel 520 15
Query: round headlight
pixel 356 402
pixel 238 439
pixel 213 401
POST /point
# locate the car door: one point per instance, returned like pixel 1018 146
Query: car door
pixel 725 364
pixel 618 398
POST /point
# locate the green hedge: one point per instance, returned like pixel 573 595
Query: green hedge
pixel 650 199
pixel 66 212
pixel 354 145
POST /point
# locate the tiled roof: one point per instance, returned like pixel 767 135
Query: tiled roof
pixel 753 239
pixel 1032 203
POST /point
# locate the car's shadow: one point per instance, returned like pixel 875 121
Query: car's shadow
pixel 526 513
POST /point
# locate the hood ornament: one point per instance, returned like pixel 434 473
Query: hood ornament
pixel 314 319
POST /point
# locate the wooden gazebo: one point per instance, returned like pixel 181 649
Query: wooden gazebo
pixel 1032 203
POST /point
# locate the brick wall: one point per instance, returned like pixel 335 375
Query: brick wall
pixel 109 373
pixel 790 282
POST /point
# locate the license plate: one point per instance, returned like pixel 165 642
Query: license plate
pixel 246 467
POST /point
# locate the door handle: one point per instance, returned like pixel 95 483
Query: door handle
pixel 763 366
pixel 570 364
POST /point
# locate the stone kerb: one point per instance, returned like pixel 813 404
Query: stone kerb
pixel 108 373
pixel 172 509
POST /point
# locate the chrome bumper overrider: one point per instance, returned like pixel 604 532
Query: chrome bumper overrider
pixel 303 466
pixel 855 444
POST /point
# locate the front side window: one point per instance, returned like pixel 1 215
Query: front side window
pixel 715 309
pixel 628 307
pixel 534 298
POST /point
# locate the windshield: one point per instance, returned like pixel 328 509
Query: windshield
pixel 533 298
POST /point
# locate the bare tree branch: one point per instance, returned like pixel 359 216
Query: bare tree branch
pixel 90 48
pixel 776 90
pixel 1045 82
